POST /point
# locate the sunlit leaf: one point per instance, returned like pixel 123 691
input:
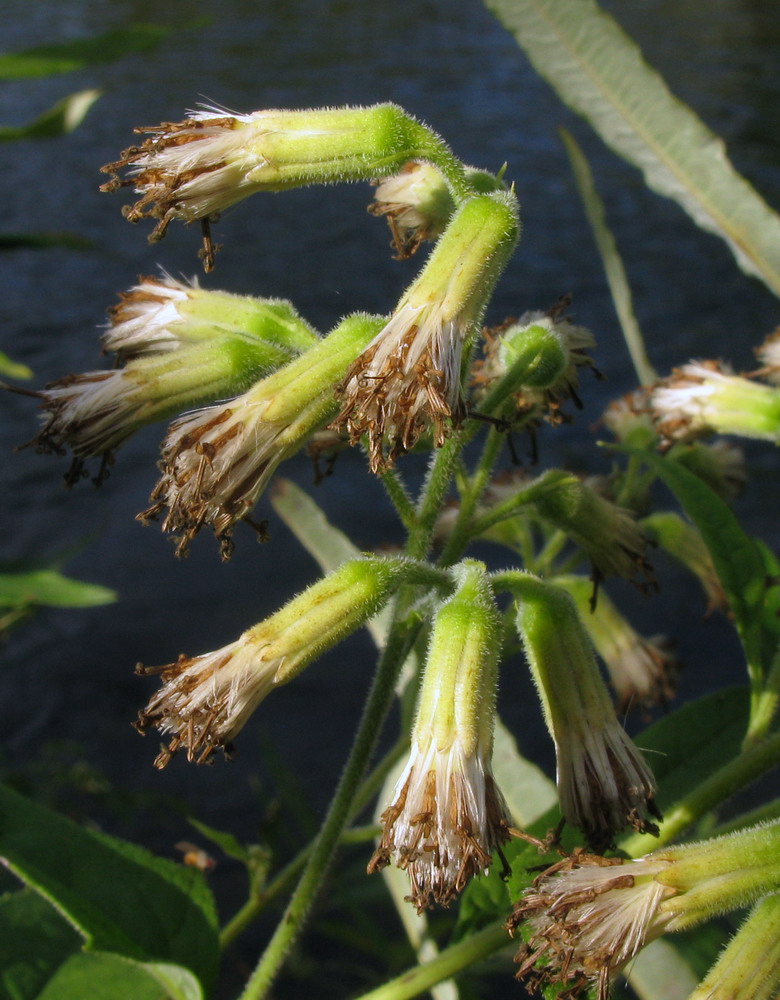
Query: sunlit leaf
pixel 617 280
pixel 600 73
pixel 13 369
pixel 65 116
pixel 65 57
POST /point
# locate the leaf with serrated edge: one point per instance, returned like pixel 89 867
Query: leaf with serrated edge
pixel 122 898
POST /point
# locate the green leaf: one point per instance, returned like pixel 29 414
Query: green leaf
pixel 610 257
pixel 600 73
pixel 120 897
pixel 227 842
pixel 688 745
pixel 26 917
pixel 44 241
pixel 50 587
pixel 65 116
pixel 65 57
pixel 13 369
pixel 103 976
pixel 736 557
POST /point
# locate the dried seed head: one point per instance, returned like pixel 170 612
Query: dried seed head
pixel 604 784
pixel 446 819
pixel 205 701
pixel 406 382
pixel 588 916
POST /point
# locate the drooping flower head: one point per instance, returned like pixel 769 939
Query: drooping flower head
pixel 216 462
pixel 206 700
pixel 194 169
pixel 643 671
pixel 418 203
pixel 705 397
pixel 183 346
pixel 447 815
pixel 589 916
pixel 604 784
pixel 408 380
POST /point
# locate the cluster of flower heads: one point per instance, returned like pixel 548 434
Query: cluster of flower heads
pixel 272 385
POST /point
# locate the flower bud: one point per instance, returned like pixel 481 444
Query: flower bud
pixel 589 916
pixel 447 815
pixel 603 782
pixel 206 700
pixel 216 462
pixel 704 397
pixel 541 354
pixel 408 379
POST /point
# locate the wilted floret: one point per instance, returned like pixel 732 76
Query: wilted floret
pixel 216 462
pixel 447 815
pixel 705 397
pixel 408 380
pixel 206 700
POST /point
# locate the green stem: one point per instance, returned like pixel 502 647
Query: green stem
pixel 736 775
pixel 437 485
pixel 379 700
pixel 764 704
pixel 461 533
pixel 552 549
pixel 448 962
pixel 400 499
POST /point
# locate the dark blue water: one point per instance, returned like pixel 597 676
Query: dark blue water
pixel 69 676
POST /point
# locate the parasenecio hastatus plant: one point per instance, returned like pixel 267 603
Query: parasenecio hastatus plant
pixel 249 383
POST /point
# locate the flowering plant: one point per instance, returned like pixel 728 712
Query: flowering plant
pixel 248 384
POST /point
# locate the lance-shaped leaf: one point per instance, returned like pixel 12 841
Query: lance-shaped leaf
pixel 600 73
